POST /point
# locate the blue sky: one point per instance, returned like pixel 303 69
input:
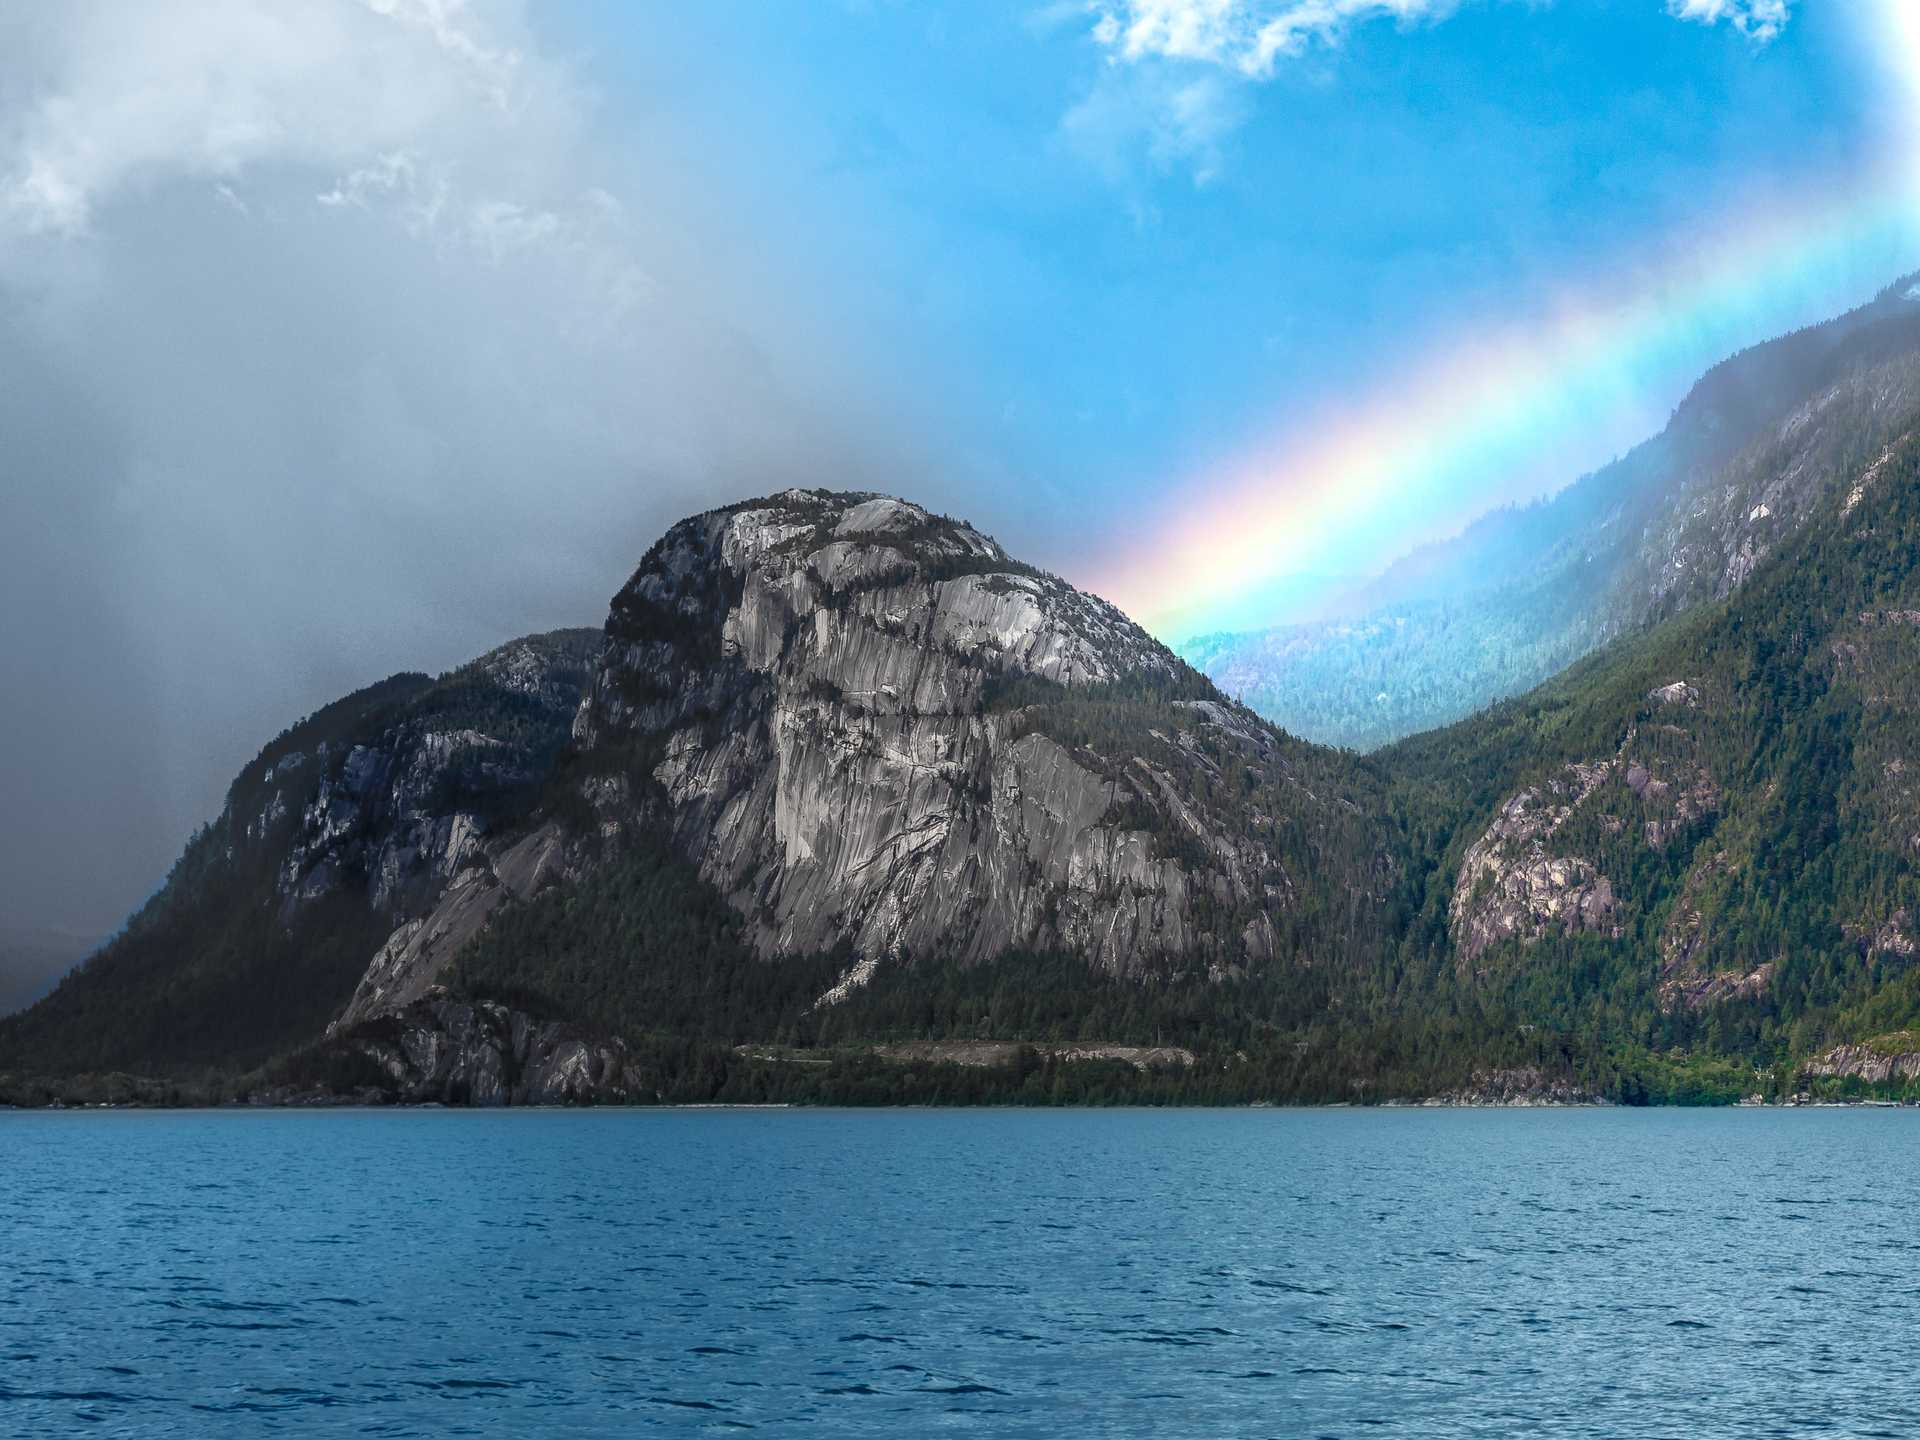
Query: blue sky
pixel 1115 273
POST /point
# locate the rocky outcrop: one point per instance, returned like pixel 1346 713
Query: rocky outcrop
pixel 420 949
pixel 1680 692
pixel 1522 1086
pixel 1884 1060
pixel 1538 869
pixel 1510 885
pixel 454 1051
pixel 404 811
pixel 1892 937
pixel 1696 990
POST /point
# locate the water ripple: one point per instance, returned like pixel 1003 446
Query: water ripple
pixel 1412 1274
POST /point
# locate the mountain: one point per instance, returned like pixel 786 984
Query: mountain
pixel 827 746
pixel 1525 591
pixel 845 804
pixel 346 823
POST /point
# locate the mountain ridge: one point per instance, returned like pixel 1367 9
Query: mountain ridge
pixel 841 791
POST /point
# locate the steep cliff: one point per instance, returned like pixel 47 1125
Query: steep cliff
pixel 868 723
pixel 870 729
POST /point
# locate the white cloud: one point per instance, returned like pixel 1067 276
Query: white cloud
pixel 343 336
pixel 1761 20
pixel 1174 121
pixel 1245 36
pixel 125 98
pixel 450 23
pixel 1179 71
pixel 1162 111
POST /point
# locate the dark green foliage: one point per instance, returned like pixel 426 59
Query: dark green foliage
pixel 207 975
pixel 644 945
pixel 1806 714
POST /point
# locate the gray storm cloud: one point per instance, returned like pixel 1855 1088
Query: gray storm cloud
pixel 335 339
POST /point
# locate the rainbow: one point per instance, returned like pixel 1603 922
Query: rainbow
pixel 1516 412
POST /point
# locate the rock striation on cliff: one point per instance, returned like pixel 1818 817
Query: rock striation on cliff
pixel 1884 1060
pixel 845 702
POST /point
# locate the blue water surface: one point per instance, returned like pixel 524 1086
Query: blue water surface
pixel 1004 1273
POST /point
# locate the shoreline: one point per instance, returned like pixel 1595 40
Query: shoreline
pixel 249 1107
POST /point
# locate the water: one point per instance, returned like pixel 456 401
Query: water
pixel 1335 1273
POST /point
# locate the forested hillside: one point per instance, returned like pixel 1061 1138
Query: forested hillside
pixel 1714 846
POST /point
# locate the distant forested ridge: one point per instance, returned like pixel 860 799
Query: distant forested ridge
pixel 1526 590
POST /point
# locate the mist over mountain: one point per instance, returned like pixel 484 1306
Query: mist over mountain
pixel 1525 591
pixel 32 962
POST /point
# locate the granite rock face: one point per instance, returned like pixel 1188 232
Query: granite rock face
pixel 454 1051
pixel 1540 868
pixel 867 725
pixel 1512 884
pixel 421 948
pixel 1883 1061
pixel 417 814
pixel 402 813
pixel 843 705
